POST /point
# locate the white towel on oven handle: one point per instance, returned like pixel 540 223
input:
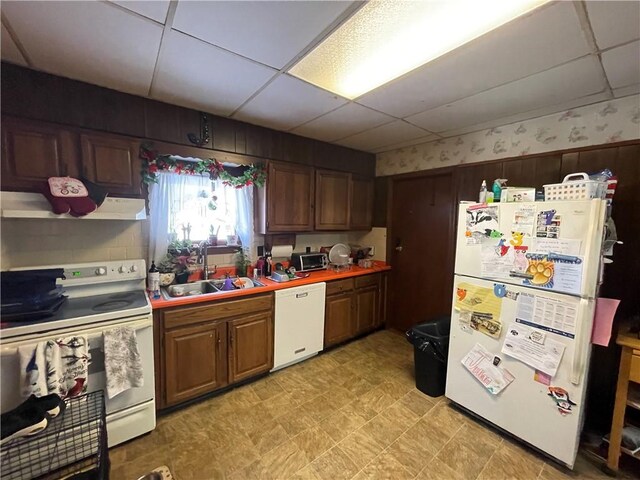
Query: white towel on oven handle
pixel 58 366
pixel 33 373
pixel 122 363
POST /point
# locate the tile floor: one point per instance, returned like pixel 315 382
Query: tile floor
pixel 352 412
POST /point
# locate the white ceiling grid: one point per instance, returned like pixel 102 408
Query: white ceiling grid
pixel 231 58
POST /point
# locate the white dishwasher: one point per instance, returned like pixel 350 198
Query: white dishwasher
pixel 299 324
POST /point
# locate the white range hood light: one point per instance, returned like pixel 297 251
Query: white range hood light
pixel 35 205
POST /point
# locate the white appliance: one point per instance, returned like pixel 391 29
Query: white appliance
pixel 532 297
pixel 299 324
pixel 101 296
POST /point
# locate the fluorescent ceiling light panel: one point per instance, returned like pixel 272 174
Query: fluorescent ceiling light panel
pixel 388 38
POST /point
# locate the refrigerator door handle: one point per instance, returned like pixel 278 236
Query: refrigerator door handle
pixel 581 343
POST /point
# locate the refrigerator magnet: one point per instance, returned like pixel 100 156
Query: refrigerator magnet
pixel 561 397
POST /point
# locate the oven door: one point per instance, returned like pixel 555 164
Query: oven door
pixel 143 325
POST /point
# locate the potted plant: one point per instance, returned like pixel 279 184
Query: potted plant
pixel 213 235
pixel 242 262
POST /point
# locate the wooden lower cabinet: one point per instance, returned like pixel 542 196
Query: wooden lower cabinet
pixel 354 307
pixel 202 348
pixel 366 311
pixel 338 319
pixel 195 361
pixel 250 346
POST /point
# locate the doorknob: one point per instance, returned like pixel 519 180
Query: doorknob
pixel 398 245
pixel 399 248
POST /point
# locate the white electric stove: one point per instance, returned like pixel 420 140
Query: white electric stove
pixel 101 296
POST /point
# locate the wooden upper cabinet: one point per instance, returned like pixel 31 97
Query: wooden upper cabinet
pixel 286 204
pixel 112 162
pixel 194 361
pixel 361 203
pixel 250 346
pixel 333 200
pixel 35 151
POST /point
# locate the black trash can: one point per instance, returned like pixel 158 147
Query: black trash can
pixel 430 342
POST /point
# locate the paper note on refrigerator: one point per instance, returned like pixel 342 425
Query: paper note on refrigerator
pixel 496 258
pixel 524 219
pixel 480 222
pixel 549 314
pixel 524 343
pixel 557 245
pixel 479 362
pixel 477 299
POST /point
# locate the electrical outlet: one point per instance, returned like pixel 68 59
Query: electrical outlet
pixel 372 252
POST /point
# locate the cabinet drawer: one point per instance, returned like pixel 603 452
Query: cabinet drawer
pixel 634 374
pixel 367 280
pixel 216 311
pixel 339 286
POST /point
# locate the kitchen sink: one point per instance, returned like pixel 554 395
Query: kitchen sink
pixel 202 287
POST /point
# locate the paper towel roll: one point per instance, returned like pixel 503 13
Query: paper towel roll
pixel 282 251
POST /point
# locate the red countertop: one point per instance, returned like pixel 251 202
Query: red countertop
pixel 270 286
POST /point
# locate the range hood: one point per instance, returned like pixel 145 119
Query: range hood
pixel 35 205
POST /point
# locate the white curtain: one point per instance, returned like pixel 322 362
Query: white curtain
pixel 244 222
pixel 169 193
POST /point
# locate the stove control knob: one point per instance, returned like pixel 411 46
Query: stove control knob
pixel 101 271
pixel 123 269
pixel 134 268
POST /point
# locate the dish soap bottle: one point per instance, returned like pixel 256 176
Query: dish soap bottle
pixel 153 281
pixel 483 192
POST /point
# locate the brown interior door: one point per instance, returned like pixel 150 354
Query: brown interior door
pixel 421 248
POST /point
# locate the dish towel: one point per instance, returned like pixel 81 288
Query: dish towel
pixel 33 374
pixel 122 361
pixel 55 366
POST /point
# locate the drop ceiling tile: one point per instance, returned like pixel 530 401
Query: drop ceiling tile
pixel 153 9
pixel 343 122
pixel 88 41
pixel 561 84
pixel 288 102
pixel 384 135
pixel 10 52
pixel 614 22
pixel 622 64
pixel 538 112
pixel 626 91
pixel 271 32
pixel 546 38
pixel 195 74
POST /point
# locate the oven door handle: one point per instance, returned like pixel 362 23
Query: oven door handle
pixel 91 333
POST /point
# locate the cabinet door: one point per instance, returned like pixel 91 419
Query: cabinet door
pixel 112 162
pixel 338 319
pixel 250 346
pixel 333 200
pixel 33 152
pixel 195 361
pixel 289 198
pixel 361 203
pixel 367 309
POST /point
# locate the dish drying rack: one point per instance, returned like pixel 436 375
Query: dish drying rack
pixel 74 445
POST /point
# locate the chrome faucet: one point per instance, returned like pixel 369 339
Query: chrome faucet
pixel 203 246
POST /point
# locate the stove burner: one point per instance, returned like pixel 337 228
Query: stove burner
pixel 111 305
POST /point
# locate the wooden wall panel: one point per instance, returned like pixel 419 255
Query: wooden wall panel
pixel 468 179
pixel 535 171
pixel 40 96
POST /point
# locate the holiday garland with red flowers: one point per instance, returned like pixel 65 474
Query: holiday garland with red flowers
pixel 154 162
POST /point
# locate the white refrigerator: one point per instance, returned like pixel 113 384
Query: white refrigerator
pixel 526 277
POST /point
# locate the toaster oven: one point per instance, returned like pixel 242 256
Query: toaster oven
pixel 306 262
